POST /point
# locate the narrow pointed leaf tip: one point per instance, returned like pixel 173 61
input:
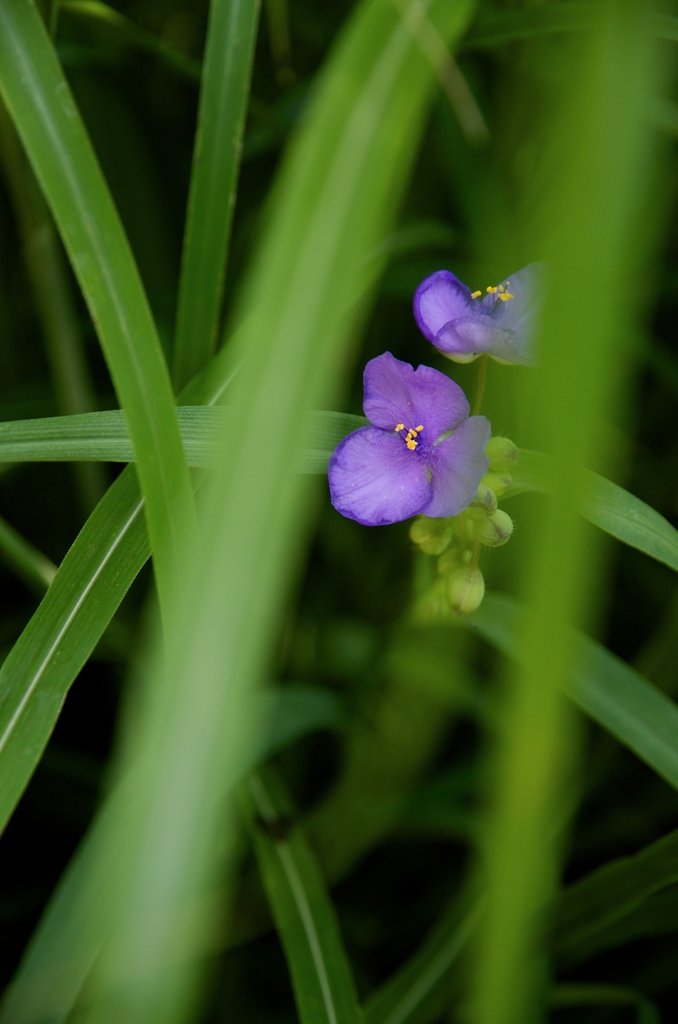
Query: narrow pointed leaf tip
pixel 421 453
pixel 464 324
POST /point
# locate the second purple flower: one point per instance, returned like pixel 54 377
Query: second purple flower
pixel 464 325
pixel 422 453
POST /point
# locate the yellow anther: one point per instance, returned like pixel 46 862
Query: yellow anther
pixel 501 288
pixel 411 444
pixel 419 429
pixel 399 426
pixel 476 295
pixel 505 296
pixel 491 290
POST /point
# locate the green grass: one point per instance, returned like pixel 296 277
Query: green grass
pixel 273 777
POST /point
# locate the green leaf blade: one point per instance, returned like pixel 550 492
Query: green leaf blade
pixel 323 985
pixel 608 506
pixel 104 437
pixel 587 911
pixel 227 70
pixel 421 989
pixel 86 591
pixel 640 716
pixel 48 122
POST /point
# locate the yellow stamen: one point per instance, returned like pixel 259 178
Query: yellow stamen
pixel 475 295
pixel 506 296
pixel 411 434
pixel 491 290
pixel 501 288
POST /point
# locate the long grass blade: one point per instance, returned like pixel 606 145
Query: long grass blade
pixel 104 437
pixel 304 916
pixel 93 578
pixel 31 565
pixel 44 112
pixel 606 996
pixel 227 69
pixel 498 28
pixel 131 34
pixel 55 965
pixel 603 686
pixel 608 506
pixel 86 591
pixel 421 989
pixel 587 917
pixel 587 910
pixel 52 289
pixel 334 200
pixel 653 917
pixel 591 234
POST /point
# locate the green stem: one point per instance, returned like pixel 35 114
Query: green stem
pixel 34 568
pixel 52 289
pixel 224 96
pixel 480 387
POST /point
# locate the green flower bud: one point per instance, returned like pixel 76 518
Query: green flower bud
pixel 431 535
pixel 433 606
pixel 495 530
pixel 465 590
pixel 484 504
pixel 452 560
pixel 502 453
pixel 497 482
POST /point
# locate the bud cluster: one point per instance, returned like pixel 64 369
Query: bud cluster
pixel 458 540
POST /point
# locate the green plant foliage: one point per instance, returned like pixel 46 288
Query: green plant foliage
pixel 55 966
pixel 609 691
pixel 606 995
pixel 418 992
pixel 380 60
pixel 323 985
pixel 216 159
pixel 608 506
pixel 47 120
pixel 104 437
pixel 91 582
pixel 255 767
pixel 589 231
pixel 588 910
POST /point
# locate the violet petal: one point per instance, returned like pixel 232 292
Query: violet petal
pixel 376 480
pixel 396 393
pixel 441 297
pixel 457 465
pixel 476 335
pixel 520 313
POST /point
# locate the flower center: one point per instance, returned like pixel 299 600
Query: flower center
pixel 409 438
pixel 501 292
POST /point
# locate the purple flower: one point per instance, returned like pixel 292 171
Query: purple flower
pixel 465 324
pixel 422 453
